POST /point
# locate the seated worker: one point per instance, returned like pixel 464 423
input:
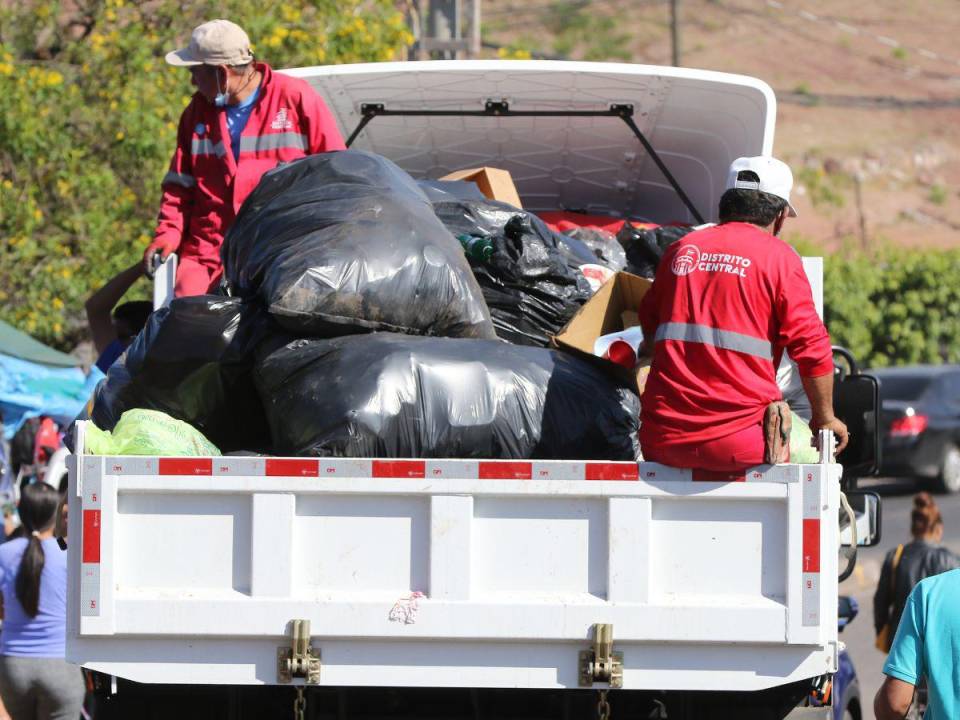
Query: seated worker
pixel 114 328
pixel 727 301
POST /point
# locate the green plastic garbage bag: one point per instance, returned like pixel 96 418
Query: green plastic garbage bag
pixel 802 451
pixel 148 432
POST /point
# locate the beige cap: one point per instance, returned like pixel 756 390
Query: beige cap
pixel 218 42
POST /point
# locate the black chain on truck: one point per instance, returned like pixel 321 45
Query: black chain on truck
pixel 299 705
pixel 603 707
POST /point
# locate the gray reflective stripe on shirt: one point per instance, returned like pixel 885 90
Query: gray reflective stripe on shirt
pixel 188 181
pixel 205 146
pixel 724 339
pixel 274 141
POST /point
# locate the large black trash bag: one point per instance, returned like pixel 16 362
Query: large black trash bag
pixel 532 283
pixel 389 395
pixel 644 247
pixel 604 245
pixel 193 360
pixel 346 242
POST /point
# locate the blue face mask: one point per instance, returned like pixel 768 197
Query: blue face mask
pixel 221 99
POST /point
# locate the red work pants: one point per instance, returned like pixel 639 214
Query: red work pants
pixel 733 453
pixel 196 278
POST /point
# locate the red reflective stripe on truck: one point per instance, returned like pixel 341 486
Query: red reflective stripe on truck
pixel 506 470
pixel 291 467
pixel 399 469
pixel 811 546
pixel 612 471
pixel 91 536
pixel 186 466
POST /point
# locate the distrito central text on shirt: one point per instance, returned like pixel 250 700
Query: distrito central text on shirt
pixel 721 262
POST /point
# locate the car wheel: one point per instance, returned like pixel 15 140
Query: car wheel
pixel 949 478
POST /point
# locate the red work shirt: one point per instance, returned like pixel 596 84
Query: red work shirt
pixel 205 186
pixel 726 302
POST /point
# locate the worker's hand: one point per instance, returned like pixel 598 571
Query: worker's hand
pixel 161 247
pixel 837 427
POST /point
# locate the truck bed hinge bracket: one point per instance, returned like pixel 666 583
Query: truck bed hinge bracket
pixel 299 659
pixel 602 664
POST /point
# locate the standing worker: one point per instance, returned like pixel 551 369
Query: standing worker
pixel 243 120
pixel 726 303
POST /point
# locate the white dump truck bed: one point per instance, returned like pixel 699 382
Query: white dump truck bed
pixel 425 573
pixel 450 573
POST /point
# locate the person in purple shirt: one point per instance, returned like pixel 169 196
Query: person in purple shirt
pixel 35 681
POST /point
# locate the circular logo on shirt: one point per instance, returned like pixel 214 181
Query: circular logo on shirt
pixel 686 260
pixel 200 129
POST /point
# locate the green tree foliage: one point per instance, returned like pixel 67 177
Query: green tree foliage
pixel 88 124
pixel 895 307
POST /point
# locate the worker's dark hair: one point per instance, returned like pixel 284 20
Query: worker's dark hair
pixel 134 313
pixel 750 206
pixel 38 512
pixel 925 515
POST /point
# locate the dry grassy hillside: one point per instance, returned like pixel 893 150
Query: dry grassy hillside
pixel 869 94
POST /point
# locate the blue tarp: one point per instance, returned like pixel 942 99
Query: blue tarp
pixel 28 389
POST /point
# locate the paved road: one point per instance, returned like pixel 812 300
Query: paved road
pixel 897 503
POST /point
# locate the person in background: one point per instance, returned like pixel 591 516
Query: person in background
pixel 35 680
pixel 909 563
pixel 727 302
pixel 244 120
pixel 925 649
pixel 115 326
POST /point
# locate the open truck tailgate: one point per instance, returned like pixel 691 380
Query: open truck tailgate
pixel 450 573
pixel 697 121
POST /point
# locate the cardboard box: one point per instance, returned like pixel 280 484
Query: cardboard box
pixel 604 314
pixel 496 184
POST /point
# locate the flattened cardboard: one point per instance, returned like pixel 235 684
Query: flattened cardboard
pixel 601 315
pixel 495 183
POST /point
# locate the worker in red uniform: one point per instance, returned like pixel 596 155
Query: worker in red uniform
pixel 243 120
pixel 727 301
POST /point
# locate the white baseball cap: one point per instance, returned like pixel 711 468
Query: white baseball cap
pixel 218 42
pixel 775 177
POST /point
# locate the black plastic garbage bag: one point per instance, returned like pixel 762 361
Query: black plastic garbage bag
pixel 532 283
pixel 193 360
pixel 645 247
pixel 346 242
pixel 389 395
pixel 604 245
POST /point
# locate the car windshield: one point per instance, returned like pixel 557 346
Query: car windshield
pixel 903 387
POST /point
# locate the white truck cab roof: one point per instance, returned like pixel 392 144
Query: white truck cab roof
pixel 697 122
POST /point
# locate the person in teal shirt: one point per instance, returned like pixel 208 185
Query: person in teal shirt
pixel 927 645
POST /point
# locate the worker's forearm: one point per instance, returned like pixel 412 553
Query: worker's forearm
pixel 104 299
pixel 893 699
pixel 819 391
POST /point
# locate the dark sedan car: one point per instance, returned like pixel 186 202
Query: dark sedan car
pixel 920 424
